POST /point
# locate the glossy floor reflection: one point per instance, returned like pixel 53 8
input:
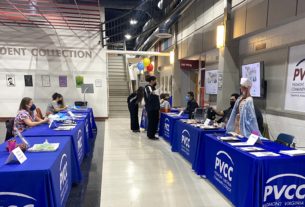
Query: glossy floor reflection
pixel 87 193
pixel 138 172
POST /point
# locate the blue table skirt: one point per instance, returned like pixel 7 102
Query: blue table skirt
pixel 166 126
pixel 86 119
pixel 186 141
pixel 91 115
pixel 44 179
pixel 80 144
pixel 250 181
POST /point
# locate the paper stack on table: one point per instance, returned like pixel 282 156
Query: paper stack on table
pixel 65 128
pixel 229 138
pixel 264 154
pixel 295 152
pixel 251 149
pixel 44 147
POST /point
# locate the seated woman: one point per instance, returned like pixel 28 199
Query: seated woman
pixel 56 105
pixel 25 117
pixel 164 103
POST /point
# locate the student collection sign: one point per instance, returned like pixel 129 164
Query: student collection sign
pixel 295 89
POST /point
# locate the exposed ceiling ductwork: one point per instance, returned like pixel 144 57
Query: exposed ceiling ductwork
pixel 163 30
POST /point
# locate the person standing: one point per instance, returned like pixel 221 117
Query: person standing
pixel 243 119
pixel 133 102
pixel 152 106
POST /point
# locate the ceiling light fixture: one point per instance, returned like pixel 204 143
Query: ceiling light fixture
pixel 133 22
pixel 128 36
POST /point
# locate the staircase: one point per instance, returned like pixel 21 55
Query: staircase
pixel 118 87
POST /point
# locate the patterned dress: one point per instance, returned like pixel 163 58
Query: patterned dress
pixel 19 123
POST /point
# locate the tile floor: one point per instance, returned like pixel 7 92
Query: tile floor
pixel 138 172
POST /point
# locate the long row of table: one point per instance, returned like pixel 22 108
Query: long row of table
pixel 45 178
pixel 244 178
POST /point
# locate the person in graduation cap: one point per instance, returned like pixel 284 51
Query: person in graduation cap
pixel 243 119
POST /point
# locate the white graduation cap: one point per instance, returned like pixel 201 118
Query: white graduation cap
pixel 245 82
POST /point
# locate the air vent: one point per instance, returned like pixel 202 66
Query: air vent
pixel 163 35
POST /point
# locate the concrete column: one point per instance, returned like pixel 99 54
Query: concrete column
pixel 230 72
pixel 228 62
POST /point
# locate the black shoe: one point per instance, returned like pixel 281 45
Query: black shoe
pixel 136 131
pixel 153 138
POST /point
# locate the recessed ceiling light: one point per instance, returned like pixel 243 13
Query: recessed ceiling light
pixel 133 22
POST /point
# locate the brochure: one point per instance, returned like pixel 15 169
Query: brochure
pixel 295 152
pixel 264 154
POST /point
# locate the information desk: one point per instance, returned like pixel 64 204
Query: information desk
pixel 80 144
pixel 247 180
pixel 186 140
pixel 166 127
pixel 44 179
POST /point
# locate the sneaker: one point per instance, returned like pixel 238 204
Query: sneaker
pixel 153 138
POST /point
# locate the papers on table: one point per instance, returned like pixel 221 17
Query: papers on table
pixel 44 147
pixel 229 139
pixel 236 144
pixel 264 154
pixel 251 149
pixel 64 128
pixel 295 152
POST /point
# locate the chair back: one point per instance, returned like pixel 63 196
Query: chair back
pixel 39 113
pixel 9 128
pixel 199 114
pixel 285 139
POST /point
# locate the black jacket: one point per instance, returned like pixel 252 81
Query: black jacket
pixel 132 101
pixel 191 106
pixel 152 102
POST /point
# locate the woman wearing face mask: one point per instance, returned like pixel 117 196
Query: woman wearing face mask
pixel 152 106
pixel 191 104
pixel 243 119
pixel 25 117
pixel 56 105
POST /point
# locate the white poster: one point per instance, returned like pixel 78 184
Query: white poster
pixel 295 89
pixel 211 81
pixel 252 72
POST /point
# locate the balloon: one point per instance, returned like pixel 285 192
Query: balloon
pixel 140 66
pixel 146 62
pixel 150 67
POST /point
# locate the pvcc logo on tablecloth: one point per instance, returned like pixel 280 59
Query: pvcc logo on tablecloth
pixel 166 124
pixel 186 142
pixel 87 128
pixel 80 143
pixel 63 176
pixel 17 199
pixel 285 190
pixel 224 167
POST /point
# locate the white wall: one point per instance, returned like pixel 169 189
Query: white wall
pixel 278 40
pixel 91 68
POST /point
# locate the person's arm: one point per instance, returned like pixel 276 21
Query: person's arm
pixel 31 123
pixel 219 113
pixel 58 108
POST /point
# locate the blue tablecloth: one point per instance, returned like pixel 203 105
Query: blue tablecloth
pixel 247 180
pixel 90 112
pixel 186 141
pixel 144 120
pixel 80 144
pixel 44 179
pixel 86 119
pixel 166 126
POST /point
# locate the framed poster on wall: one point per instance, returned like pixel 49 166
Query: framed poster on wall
pixel 211 81
pixel 295 87
pixel 10 81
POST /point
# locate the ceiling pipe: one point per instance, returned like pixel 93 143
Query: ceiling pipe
pixel 165 26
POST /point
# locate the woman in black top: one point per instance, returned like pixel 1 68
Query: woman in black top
pixel 133 101
pixel 152 106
